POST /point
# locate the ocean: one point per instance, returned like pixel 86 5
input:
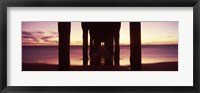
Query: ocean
pixel 49 54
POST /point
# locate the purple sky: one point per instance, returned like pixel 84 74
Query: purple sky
pixel 46 33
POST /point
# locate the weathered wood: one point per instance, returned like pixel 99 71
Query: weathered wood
pixel 135 46
pixel 85 27
pixel 96 57
pixel 109 52
pixel 101 32
pixel 64 45
pixel 91 48
pixel 116 39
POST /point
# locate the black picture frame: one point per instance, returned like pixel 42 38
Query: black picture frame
pixel 100 3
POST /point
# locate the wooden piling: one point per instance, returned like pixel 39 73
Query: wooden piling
pixel 64 45
pixel 109 52
pixel 91 48
pixel 135 46
pixel 85 27
pixel 116 39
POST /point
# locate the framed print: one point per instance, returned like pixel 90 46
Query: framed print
pixel 99 46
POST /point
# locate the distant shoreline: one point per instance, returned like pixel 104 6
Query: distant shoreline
pixel 89 45
pixel 162 66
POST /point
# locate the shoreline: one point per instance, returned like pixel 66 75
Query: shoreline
pixel 162 66
pixel 123 45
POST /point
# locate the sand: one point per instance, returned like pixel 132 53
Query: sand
pixel 162 66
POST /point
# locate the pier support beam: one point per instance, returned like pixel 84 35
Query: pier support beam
pixel 116 39
pixel 91 47
pixel 116 55
pixel 85 27
pixel 64 45
pixel 135 46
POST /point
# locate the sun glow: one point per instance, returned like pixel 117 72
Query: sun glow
pixel 46 33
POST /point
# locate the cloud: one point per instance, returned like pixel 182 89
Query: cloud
pixel 28 37
pixel 26 33
pixel 54 33
pixel 47 38
pixel 171 36
pixel 39 32
pixel 37 37
pixel 77 43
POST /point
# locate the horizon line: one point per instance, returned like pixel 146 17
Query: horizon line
pixel 113 45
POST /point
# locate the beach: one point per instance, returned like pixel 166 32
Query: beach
pixel 163 66
pixel 154 58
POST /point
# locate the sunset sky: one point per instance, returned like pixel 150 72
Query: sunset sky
pixel 46 33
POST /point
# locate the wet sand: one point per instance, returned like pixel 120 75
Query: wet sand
pixel 162 66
